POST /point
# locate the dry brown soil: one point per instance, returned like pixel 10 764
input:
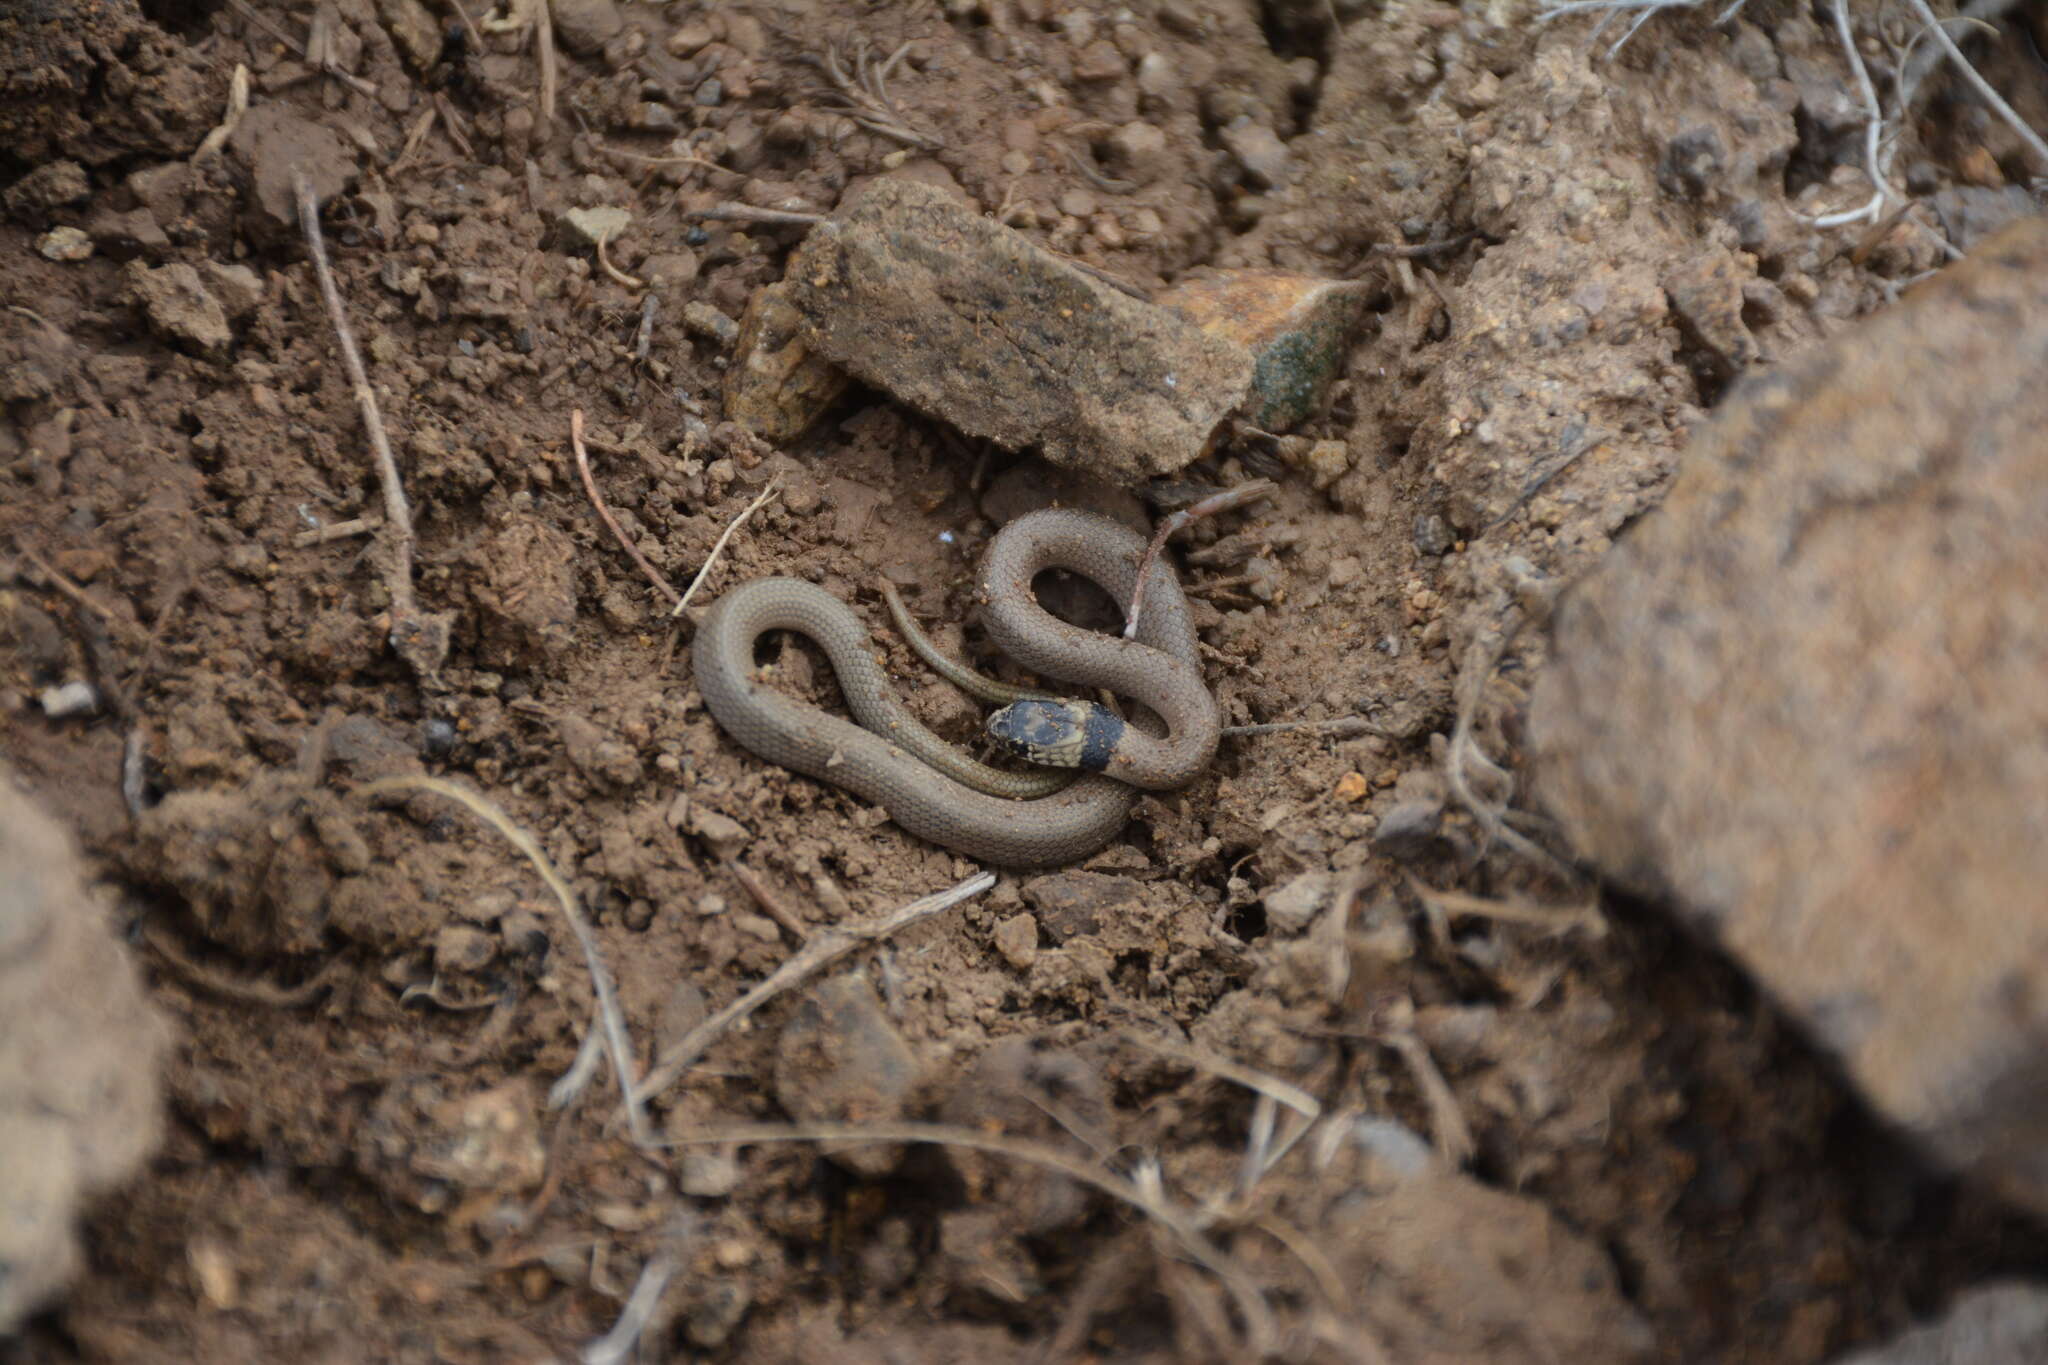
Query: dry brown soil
pixel 372 1001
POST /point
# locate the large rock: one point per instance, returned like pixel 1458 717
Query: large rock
pixel 1806 701
pixel 79 1049
pixel 919 295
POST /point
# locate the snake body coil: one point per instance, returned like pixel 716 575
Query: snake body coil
pixel 1160 668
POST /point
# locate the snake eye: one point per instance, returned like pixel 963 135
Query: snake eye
pixel 1057 734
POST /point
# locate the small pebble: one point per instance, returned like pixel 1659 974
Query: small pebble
pixel 461 948
pixel 437 737
pixel 64 244
pixel 711 93
pixel 706 321
pixel 1017 940
pixel 1432 534
pixel 69 699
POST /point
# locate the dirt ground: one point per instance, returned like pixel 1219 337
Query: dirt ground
pixel 1569 257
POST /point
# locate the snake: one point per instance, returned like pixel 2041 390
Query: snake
pixel 935 791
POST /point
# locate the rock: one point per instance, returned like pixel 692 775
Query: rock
pixel 1070 904
pixel 585 228
pixel 414 31
pixel 1016 938
pixel 1693 161
pixel 1259 150
pixel 271 144
pixel 178 307
pixel 1297 328
pixel 2000 1324
pixel 64 244
pixel 1706 298
pixel 703 320
pixel 239 288
pixel 1137 151
pixel 840 1060
pixel 1293 907
pixel 971 323
pixel 75 698
pixel 50 186
pixel 461 948
pixel 489 1140
pixel 1969 213
pixel 777 385
pixel 1791 702
pixel 79 1052
pixel 585 26
pixel 1432 534
pixel 126 235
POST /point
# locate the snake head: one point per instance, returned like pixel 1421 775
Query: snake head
pixel 1058 734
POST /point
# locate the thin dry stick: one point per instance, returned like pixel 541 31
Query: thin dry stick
pixel 605 513
pixel 770 906
pixel 338 530
pixel 234 988
pixel 1205 1253
pixel 422 640
pixel 238 105
pixel 1453 1135
pixel 544 39
pixel 72 590
pixel 1873 130
pixel 618 1345
pixel 1980 85
pixel 613 1019
pixel 717 549
pixel 824 949
pixel 747 213
pixel 1587 917
pixel 476 36
pixel 1209 506
pixel 1349 725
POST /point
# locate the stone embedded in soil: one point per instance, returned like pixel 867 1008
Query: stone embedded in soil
pixel 1800 701
pixel 971 323
pixel 778 386
pixel 178 307
pixel 79 1049
pixel 270 144
pixel 1296 327
pixel 840 1060
pixel 414 30
pixel 585 26
pixel 1998 1324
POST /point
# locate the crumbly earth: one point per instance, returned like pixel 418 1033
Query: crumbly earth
pixel 1581 1137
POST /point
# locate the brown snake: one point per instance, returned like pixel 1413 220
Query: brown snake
pixel 1160 668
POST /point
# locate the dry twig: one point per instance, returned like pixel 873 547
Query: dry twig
pixel 1983 87
pixel 862 93
pixel 729 212
pixel 420 638
pixel 1344 726
pixel 1556 921
pixel 717 549
pixel 770 904
pixel 617 1346
pixel 1207 507
pixel 824 948
pixel 612 1019
pixel 235 988
pixel 605 513
pixel 333 531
